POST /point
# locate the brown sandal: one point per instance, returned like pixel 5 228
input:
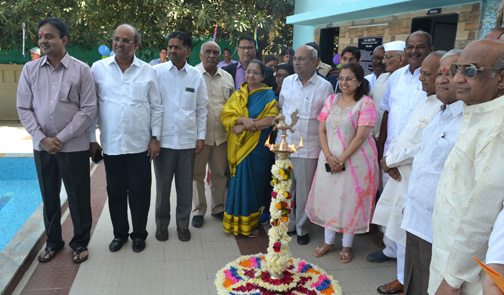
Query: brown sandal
pixel 322 250
pixel 394 287
pixel 345 257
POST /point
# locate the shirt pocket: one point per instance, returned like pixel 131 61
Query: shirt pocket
pixel 188 101
pixel 138 91
pixel 68 93
pixel 226 92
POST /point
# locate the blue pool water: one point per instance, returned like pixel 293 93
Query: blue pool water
pixel 19 195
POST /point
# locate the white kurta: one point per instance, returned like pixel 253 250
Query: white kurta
pixel 377 95
pixel 469 198
pixel 404 92
pixel 400 155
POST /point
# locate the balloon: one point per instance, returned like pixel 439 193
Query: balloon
pixel 336 59
pixel 104 50
pixel 112 53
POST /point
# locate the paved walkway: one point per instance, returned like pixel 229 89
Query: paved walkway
pixel 175 267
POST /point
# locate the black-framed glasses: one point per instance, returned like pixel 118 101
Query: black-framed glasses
pixel 283 76
pixel 468 70
pixel 380 58
pixel 125 40
pixel 348 79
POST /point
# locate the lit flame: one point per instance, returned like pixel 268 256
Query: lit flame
pixel 268 144
pixel 300 145
pixel 292 148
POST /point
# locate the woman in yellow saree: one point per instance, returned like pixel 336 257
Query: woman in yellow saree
pixel 247 117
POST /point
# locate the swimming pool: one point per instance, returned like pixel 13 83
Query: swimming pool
pixel 19 195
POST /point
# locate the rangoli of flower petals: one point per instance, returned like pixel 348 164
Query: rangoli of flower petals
pixel 249 275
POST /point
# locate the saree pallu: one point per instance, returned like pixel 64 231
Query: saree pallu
pixel 249 160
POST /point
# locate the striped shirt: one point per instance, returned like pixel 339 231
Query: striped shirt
pixel 438 140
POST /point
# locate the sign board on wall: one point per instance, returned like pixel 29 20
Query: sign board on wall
pixel 366 47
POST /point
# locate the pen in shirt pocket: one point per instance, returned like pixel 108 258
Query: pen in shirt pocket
pixel 69 90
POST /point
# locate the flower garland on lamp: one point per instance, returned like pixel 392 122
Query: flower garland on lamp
pixel 277 272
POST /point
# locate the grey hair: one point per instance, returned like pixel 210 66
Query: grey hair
pixel 378 47
pixel 452 52
pixel 439 53
pixel 428 37
pixel 201 49
pixel 313 52
pixel 498 65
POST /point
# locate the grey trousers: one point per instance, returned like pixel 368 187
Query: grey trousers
pixel 216 157
pixel 416 265
pixel 178 163
pixel 302 177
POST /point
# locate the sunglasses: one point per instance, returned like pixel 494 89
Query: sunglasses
pixel 468 70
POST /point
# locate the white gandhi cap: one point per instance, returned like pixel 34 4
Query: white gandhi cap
pixel 394 46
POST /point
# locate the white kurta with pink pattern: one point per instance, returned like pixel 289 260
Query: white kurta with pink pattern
pixel 344 201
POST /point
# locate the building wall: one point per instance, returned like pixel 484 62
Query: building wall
pixel 399 27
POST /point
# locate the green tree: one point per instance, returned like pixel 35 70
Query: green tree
pixel 91 22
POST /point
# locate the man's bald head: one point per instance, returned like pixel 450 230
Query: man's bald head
pixel 487 83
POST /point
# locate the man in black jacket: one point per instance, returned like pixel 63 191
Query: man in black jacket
pixel 246 52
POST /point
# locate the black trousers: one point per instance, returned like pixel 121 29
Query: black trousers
pixel 73 168
pixel 129 181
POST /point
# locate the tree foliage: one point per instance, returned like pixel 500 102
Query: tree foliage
pixel 91 22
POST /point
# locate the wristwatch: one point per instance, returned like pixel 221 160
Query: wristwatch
pixel 158 138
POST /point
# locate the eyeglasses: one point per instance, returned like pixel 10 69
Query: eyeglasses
pixel 255 73
pixel 378 57
pixel 468 70
pixel 125 40
pixel 246 47
pixel 391 56
pixel 348 79
pixel 281 76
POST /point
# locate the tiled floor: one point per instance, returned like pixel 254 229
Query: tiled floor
pixel 174 267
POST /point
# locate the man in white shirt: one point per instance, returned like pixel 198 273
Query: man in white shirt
pixel 388 211
pixel 130 116
pixel 393 59
pixel 378 66
pixel 306 92
pixel 438 139
pixel 183 132
pixel 404 92
pixel 495 256
pixel 469 195
pixel 220 86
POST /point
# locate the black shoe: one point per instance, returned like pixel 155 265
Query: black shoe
pixel 197 221
pixel 184 234
pixel 162 234
pixel 138 245
pixel 116 245
pixel 291 233
pixel 303 240
pixel 219 215
pixel 378 257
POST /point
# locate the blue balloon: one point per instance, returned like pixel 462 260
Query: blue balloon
pixel 104 50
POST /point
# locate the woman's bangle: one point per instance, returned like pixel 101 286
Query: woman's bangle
pixel 243 126
pixel 329 154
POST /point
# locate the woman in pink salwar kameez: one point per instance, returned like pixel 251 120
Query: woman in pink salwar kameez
pixel 343 190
